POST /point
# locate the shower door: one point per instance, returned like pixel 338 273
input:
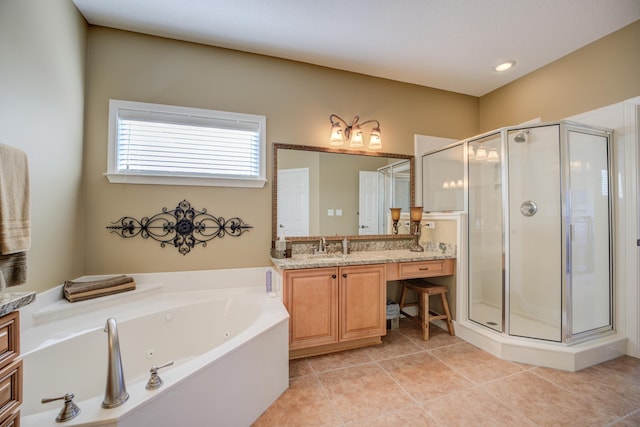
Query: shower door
pixel 535 233
pixel 589 291
pixel 486 241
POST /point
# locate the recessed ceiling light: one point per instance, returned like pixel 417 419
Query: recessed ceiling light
pixel 505 66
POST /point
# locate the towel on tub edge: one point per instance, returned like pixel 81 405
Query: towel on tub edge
pixel 79 291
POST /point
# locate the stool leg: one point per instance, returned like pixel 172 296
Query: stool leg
pixel 424 306
pixel 402 295
pixel 445 305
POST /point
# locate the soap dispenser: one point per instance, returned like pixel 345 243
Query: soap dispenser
pixel 345 246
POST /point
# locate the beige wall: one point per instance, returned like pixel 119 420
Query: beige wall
pixel 602 73
pixel 296 99
pixel 42 111
pixel 42 59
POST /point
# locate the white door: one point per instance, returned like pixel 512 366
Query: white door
pixel 368 205
pixel 293 202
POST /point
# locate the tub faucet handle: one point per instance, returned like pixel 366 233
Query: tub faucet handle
pixel 155 381
pixel 69 411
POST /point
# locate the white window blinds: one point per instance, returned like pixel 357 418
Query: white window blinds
pixel 152 143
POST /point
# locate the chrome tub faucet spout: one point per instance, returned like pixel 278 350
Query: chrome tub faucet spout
pixel 115 392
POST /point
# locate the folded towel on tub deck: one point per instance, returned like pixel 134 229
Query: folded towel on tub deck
pixel 82 290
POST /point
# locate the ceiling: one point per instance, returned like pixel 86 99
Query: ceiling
pixel 445 44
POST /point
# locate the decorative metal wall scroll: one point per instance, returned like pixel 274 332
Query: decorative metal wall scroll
pixel 184 227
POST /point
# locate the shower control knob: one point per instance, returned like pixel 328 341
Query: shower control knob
pixel 528 208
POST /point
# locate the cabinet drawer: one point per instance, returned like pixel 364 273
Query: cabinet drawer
pixel 418 269
pixel 11 387
pixel 13 420
pixel 9 341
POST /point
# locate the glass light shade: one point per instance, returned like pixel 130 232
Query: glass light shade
pixel 481 153
pixel 493 156
pixel 375 142
pixel 459 184
pixel 356 137
pixel 471 153
pixel 395 213
pixel 416 214
pixel 336 135
pixel 445 186
pixel 452 184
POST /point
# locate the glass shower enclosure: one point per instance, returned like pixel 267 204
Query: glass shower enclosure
pixel 539 231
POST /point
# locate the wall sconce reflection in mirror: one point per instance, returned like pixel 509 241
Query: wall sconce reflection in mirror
pixel 183 227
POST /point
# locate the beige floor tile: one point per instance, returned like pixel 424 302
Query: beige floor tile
pixel 474 407
pixel 438 337
pixel 546 404
pixel 423 376
pixel 411 416
pixel 613 391
pixel 631 420
pixel 299 368
pixel 361 391
pixel 339 360
pixel 475 364
pixel 304 403
pixel 393 344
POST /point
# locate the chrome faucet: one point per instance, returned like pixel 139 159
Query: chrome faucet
pixel 322 246
pixel 115 392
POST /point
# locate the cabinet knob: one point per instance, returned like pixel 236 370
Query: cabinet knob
pixel 344 275
pixel 333 276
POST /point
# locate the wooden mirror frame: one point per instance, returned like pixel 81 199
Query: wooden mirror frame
pixel 274 189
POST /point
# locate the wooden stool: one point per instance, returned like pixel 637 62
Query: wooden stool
pixel 425 290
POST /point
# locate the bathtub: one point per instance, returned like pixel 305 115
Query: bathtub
pixel 228 344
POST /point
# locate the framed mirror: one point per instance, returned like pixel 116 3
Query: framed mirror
pixel 329 192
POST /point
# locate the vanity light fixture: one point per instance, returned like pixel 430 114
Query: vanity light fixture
pixel 416 225
pixel 342 132
pixel 395 217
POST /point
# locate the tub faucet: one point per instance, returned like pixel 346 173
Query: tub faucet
pixel 322 246
pixel 115 392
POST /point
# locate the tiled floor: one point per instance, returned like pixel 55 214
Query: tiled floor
pixel 448 382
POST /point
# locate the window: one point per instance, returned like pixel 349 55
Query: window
pixel 163 144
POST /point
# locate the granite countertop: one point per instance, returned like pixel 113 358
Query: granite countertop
pixel 355 258
pixel 11 301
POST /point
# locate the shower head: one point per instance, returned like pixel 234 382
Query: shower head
pixel 522 136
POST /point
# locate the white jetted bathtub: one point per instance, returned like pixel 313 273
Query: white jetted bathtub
pixel 227 339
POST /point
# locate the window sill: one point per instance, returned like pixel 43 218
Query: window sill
pixel 116 178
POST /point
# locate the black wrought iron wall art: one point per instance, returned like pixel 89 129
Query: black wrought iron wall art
pixel 183 227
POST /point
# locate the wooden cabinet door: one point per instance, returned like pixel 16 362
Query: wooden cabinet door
pixel 363 293
pixel 311 297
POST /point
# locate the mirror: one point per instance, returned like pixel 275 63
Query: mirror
pixel 334 192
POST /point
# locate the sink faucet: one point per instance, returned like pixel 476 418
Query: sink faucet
pixel 322 246
pixel 115 392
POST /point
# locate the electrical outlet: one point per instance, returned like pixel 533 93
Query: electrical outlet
pixel 429 224
pixel 329 212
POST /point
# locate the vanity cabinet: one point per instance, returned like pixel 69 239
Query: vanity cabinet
pixel 334 308
pixel 10 370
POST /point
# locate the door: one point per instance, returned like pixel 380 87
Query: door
pixel 368 204
pixel 293 202
pixel 486 240
pixel 311 298
pixel 535 233
pixel 363 296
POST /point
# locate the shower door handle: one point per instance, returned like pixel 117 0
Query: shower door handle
pixel 528 208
